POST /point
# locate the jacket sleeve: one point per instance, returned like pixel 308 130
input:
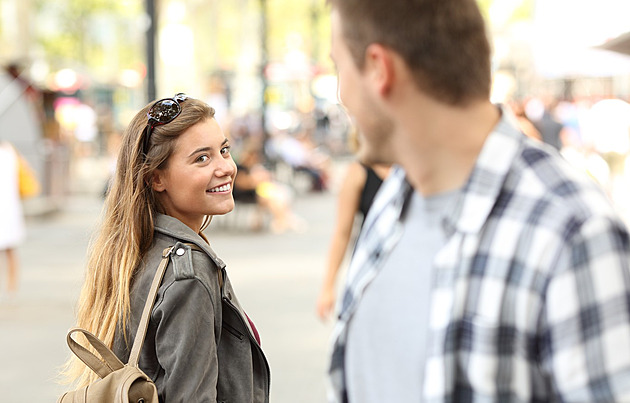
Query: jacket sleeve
pixel 185 342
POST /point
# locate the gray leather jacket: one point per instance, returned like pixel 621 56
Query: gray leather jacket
pixel 199 346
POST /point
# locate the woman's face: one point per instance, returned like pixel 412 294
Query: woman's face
pixel 198 177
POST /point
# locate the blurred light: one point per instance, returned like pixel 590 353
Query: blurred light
pixel 130 78
pixel 561 46
pixel 282 120
pixel 65 108
pixel 39 70
pixel 607 126
pixel 129 4
pixel 176 11
pixel 143 22
pixel 177 45
pixel 503 85
pixel 501 11
pixel 325 87
pixel 66 79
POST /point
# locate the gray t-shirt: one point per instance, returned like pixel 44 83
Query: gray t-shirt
pixel 385 353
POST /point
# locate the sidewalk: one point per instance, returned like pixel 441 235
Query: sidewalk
pixel 277 278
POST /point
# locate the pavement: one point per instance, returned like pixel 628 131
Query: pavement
pixel 276 276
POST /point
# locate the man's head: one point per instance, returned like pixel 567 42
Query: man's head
pixel 442 42
pixel 356 95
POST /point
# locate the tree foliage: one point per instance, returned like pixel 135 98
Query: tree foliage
pixel 89 34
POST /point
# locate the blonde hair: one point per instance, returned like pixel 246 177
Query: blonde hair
pixel 126 230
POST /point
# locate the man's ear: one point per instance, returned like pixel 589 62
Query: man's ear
pixel 157 181
pixel 380 67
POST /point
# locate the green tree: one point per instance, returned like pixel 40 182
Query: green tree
pixel 91 34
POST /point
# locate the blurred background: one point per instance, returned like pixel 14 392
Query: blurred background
pixel 77 70
pixel 74 72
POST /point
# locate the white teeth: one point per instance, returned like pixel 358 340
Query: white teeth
pixel 223 188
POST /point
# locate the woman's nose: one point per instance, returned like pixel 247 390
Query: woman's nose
pixel 226 167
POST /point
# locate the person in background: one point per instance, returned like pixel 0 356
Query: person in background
pixel 12 226
pixel 524 123
pixel 488 269
pixel 303 155
pixel 540 113
pixel 358 189
pixel 174 171
pixel 254 184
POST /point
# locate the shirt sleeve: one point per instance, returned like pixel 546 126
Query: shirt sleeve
pixel 585 340
pixel 185 343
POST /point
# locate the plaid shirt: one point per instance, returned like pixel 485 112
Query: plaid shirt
pixel 531 293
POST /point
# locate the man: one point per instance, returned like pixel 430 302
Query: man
pixel 487 270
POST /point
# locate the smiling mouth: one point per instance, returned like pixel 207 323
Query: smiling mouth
pixel 223 188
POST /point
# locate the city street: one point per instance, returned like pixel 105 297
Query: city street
pixel 277 278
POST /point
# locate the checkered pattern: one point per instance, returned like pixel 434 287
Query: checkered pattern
pixel 531 300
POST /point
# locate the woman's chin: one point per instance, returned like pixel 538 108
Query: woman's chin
pixel 223 209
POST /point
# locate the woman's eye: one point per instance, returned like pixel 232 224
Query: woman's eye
pixel 203 158
pixel 225 150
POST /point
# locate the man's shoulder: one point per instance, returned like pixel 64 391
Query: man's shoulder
pixel 544 184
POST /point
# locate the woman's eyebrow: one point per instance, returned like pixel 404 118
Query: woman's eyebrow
pixel 204 149
pixel 200 150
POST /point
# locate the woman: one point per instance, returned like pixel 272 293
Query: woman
pixel 12 228
pixel 174 172
pixel 357 192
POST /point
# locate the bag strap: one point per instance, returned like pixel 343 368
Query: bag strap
pixel 110 362
pixel 138 341
pixel 103 367
pixel 141 333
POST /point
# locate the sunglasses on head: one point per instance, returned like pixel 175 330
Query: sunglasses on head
pixel 160 113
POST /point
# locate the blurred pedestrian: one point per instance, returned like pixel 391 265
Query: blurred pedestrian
pixel 12 228
pixel 523 122
pixel 174 172
pixel 255 184
pixel 540 113
pixel 302 155
pixel 488 269
pixel 356 194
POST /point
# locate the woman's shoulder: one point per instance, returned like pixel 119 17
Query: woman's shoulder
pixel 356 174
pixel 187 259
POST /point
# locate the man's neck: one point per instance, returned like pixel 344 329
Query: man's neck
pixel 438 146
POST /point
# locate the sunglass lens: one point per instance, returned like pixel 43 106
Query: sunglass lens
pixel 180 97
pixel 164 111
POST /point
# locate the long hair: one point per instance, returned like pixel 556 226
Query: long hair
pixel 126 229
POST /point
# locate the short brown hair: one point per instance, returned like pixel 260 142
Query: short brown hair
pixel 444 42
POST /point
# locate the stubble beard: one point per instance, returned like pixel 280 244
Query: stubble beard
pixel 369 155
pixel 377 146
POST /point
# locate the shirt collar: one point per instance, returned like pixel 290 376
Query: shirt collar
pixel 478 196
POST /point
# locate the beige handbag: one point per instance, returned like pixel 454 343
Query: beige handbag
pixel 119 383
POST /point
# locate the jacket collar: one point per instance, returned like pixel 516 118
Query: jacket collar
pixel 171 226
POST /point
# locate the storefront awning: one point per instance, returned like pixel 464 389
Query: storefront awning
pixel 620 44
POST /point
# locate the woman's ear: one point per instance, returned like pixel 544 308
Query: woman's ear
pixel 157 181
